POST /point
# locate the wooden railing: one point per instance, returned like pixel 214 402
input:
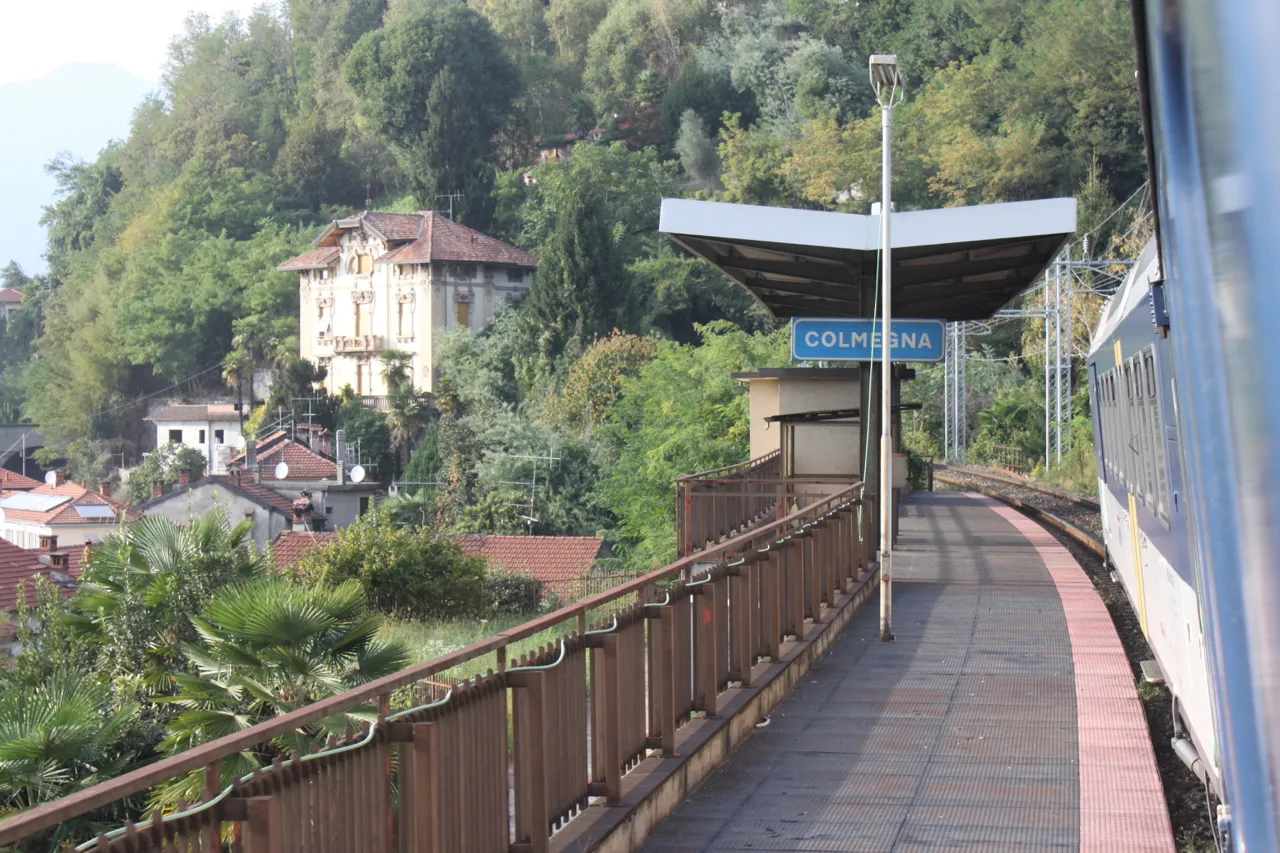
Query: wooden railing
pixel 508 756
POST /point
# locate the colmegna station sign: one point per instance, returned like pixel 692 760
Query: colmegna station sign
pixel 823 339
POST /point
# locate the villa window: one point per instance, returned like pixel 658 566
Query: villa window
pixel 175 436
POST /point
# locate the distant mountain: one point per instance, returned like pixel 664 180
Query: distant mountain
pixel 78 108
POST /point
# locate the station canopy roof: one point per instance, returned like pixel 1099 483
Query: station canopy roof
pixel 955 263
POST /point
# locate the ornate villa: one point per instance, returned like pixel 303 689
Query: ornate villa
pixel 381 281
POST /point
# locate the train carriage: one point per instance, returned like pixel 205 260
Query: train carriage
pixel 1141 490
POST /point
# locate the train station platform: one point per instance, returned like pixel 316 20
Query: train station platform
pixel 1003 718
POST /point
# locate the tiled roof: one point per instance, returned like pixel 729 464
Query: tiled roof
pixel 442 239
pixel 396 226
pixel 304 463
pixel 290 547
pixel 20 564
pixel 417 237
pixel 185 412
pixel 12 481
pixel 320 258
pixel 65 513
pixel 13 297
pixel 267 498
pixel 557 561
pixel 554 560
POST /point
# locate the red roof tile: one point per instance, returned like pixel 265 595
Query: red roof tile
pixel 442 239
pixel 12 481
pixel 21 564
pixel 304 463
pixel 315 259
pixel 11 296
pixel 395 226
pixel 65 512
pixel 416 237
pixel 557 561
pixel 554 560
pixel 290 547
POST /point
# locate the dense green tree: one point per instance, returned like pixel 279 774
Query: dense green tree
pixel 582 289
pixel 162 467
pixel 436 83
pixel 697 151
pixel 400 571
pixel 367 428
pixel 681 413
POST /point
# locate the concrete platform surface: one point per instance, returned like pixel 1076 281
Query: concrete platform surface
pixel 1003 718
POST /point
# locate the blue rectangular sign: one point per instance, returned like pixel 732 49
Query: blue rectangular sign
pixel 822 339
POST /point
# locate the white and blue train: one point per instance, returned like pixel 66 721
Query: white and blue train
pixel 1185 375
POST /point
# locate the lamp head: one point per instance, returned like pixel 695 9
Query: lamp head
pixel 885 73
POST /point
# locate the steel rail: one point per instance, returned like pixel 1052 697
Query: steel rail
pixel 48 815
pixel 1079 500
pixel 1042 515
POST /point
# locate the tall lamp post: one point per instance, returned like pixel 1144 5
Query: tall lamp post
pixel 887 81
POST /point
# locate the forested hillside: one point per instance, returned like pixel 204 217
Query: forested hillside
pixel 162 251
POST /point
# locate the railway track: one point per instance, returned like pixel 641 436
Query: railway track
pixel 1077 517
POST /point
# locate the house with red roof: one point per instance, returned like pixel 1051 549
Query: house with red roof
pixel 238 496
pixel 562 563
pixel 12 481
pixel 10 301
pixel 380 281
pixel 67 510
pixel 21 566
pixel 338 493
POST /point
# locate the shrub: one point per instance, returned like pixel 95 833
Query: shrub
pixel 403 571
pixel 511 595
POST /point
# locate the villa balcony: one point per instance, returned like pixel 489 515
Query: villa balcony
pixel 357 343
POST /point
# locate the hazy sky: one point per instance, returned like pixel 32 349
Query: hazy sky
pixel 133 34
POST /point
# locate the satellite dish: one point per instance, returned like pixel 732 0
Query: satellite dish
pixel 282 470
pixel 357 474
pixel 50 478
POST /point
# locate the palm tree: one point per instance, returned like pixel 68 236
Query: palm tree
pixel 408 411
pixel 266 648
pixel 57 738
pixel 140 585
pixel 397 369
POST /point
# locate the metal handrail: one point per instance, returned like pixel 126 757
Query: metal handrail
pixel 200 808
pixel 737 466
pixel 50 814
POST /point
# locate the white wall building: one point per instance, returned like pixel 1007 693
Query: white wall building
pixel 382 281
pixel 237 495
pixel 212 428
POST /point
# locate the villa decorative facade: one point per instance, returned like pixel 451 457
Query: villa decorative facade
pixel 381 281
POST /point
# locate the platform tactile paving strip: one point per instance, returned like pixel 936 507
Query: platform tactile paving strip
pixel 962 735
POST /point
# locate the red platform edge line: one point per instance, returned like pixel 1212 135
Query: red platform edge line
pixel 1122 804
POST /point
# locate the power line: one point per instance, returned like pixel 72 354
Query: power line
pixel 177 384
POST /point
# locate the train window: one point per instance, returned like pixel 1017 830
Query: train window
pixel 1104 415
pixel 1133 444
pixel 1148 434
pixel 1117 449
pixel 1157 434
pixel 1099 408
